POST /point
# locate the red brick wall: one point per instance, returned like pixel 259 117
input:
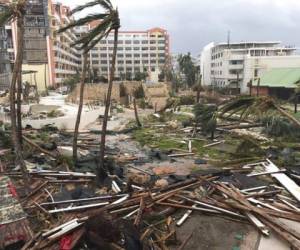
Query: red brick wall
pixel 262 91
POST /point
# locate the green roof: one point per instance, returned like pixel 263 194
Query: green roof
pixel 280 78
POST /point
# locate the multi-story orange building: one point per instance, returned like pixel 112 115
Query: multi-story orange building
pixel 138 51
pixel 64 60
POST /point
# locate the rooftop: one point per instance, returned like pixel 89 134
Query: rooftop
pixel 280 77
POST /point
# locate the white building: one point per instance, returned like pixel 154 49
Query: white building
pixel 235 65
pixel 205 64
pixel 138 51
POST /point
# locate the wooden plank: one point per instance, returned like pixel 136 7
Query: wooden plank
pixel 284 180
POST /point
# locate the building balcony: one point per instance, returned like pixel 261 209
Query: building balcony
pixel 236 66
pixel 234 76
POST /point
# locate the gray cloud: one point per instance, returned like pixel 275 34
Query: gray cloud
pixel 194 23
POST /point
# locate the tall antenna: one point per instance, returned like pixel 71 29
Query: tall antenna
pixel 228 38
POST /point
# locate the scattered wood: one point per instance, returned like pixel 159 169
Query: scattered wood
pixel 213 144
pixel 181 155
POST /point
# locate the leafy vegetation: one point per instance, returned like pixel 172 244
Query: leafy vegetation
pixel 71 81
pixel 278 126
pixel 140 76
pixel 188 68
pixel 206 115
pixel 187 100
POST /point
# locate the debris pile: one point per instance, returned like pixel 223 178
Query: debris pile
pixel 149 216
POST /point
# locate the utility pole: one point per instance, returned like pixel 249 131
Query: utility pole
pixel 228 38
pixel 257 87
pixel 237 81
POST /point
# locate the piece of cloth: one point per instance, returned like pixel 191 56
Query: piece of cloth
pixel 65 243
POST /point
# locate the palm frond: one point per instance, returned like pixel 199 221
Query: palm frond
pixel 248 105
pixel 6 16
pixel 94 33
pixel 106 4
pixel 98 39
pixel 84 6
pixel 82 21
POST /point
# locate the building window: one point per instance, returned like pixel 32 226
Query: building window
pixel 128 42
pixel 128 55
pixel 136 42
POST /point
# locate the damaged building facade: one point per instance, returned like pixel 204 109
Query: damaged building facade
pixel 5 68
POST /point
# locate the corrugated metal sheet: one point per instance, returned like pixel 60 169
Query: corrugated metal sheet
pixel 281 77
pixel 14 226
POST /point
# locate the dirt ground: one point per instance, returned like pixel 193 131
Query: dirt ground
pixel 217 233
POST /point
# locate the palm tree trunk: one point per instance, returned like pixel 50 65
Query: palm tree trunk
pixel 102 170
pixel 288 115
pixel 37 97
pixel 16 71
pixel 82 85
pixel 45 80
pixel 198 94
pixel 19 109
pixel 138 123
pixel 258 87
pixel 296 104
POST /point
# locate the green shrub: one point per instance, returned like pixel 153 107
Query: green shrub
pixel 187 100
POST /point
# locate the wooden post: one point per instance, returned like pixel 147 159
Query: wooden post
pixel 257 87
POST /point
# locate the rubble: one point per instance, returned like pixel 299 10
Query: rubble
pixel 163 181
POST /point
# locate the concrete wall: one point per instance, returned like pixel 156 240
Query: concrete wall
pixel 262 91
pixel 95 93
pixel 205 64
pixel 42 72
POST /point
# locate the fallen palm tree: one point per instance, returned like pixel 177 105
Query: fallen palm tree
pixel 246 106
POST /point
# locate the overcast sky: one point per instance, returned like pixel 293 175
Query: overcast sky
pixel 194 23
